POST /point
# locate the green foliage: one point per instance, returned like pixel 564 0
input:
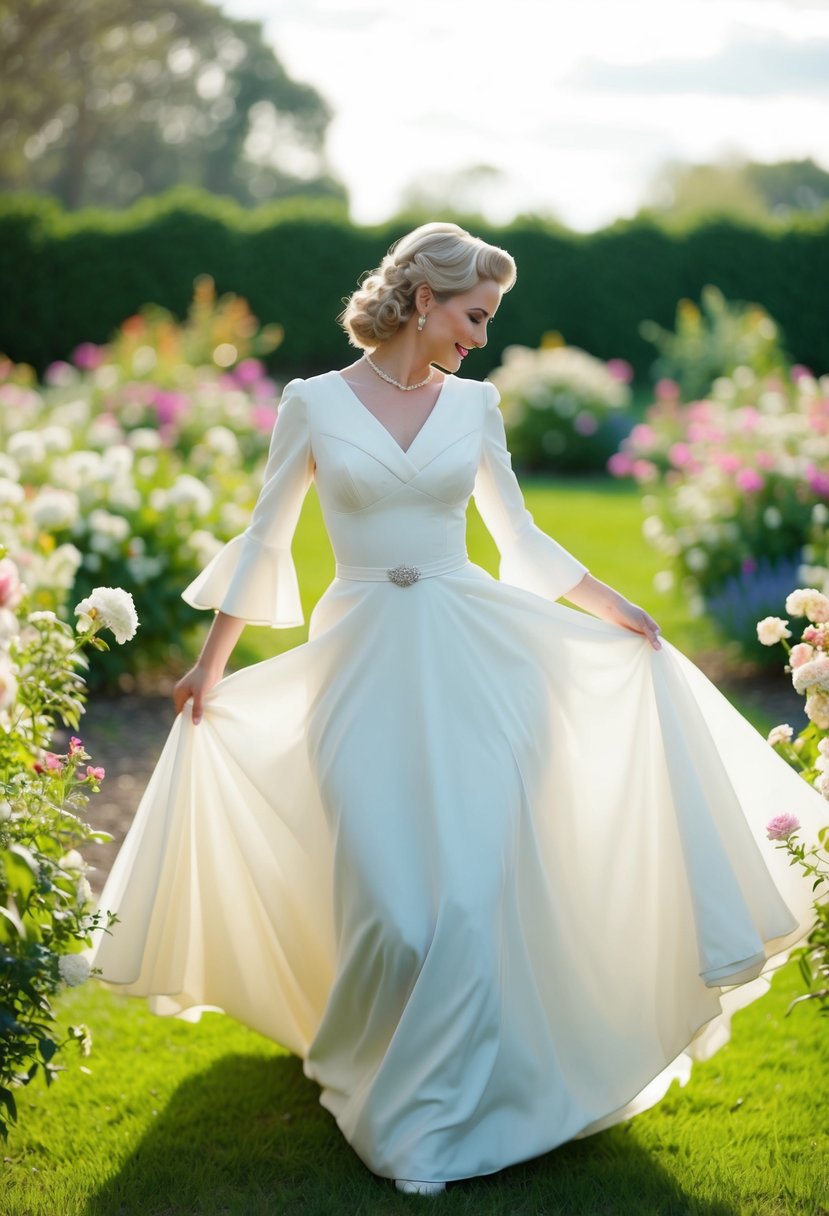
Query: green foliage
pixel 714 340
pixel 564 411
pixel 104 103
pixel 44 893
pixel 65 279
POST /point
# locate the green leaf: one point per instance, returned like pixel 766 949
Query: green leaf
pixel 7 1099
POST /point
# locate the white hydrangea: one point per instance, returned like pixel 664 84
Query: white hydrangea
pixel 54 510
pixel 74 969
pixel 9 468
pixel 221 441
pixel 144 439
pixel 26 447
pixel 56 438
pixel 187 491
pixel 808 602
pixel 108 608
pixel 11 494
pixel 72 861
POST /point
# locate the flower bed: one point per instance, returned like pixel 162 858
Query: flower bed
pixel 135 462
pixel 733 487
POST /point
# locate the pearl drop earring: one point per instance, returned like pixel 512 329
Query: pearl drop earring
pixel 421 322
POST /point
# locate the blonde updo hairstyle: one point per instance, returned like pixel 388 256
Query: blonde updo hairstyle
pixel 444 256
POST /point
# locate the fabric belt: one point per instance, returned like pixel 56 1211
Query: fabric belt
pixel 404 574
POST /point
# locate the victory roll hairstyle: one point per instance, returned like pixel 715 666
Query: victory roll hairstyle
pixel 444 256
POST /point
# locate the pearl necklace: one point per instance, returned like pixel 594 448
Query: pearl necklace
pixel 406 388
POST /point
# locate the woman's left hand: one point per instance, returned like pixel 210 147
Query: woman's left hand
pixel 631 616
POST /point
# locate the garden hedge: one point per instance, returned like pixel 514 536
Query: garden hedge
pixel 71 277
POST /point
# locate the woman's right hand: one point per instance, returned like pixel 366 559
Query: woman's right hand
pixel 196 684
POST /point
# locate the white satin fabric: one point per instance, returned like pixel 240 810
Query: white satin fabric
pixel 483 861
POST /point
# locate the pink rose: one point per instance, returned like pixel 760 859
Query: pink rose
pixel 11 590
pixel 782 827
pixel 749 481
pixel 800 654
pixel 620 370
pixel 667 390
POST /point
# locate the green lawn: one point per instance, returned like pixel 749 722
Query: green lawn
pixel 172 1119
pixel 212 1120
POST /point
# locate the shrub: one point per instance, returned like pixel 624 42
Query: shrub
pixel 714 340
pixel 808 662
pixel 564 410
pixel 45 895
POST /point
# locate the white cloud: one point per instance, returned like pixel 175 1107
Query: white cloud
pixel 525 86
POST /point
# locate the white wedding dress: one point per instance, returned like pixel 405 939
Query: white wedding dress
pixel 484 862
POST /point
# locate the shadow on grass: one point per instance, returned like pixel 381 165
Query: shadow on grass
pixel 248 1137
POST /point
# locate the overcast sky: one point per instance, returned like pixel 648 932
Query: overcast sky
pixel 576 102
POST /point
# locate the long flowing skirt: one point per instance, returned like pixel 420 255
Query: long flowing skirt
pixel 490 866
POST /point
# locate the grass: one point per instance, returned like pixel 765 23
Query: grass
pixel 212 1120
pixel 171 1119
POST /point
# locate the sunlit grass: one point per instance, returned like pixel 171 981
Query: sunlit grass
pixel 212 1119
pixel 174 1119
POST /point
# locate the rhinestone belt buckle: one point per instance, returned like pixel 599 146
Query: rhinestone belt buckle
pixel 404 576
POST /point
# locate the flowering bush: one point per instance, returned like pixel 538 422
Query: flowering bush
pixel 563 409
pixel 734 484
pixel 713 340
pixel 45 896
pixel 137 461
pixel 808 662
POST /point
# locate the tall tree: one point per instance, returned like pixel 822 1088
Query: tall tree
pixel 751 189
pixel 106 100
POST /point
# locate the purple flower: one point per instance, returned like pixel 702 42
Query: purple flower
pixel 87 356
pixel 782 826
pixel 620 370
pixel 169 405
pixel 248 372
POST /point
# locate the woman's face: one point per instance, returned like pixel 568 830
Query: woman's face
pixel 459 325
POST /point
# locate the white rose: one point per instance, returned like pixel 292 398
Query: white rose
pixel 817 710
pixel 108 608
pixel 221 441
pixel 74 969
pixel 814 674
pixel 780 734
pixel 772 629
pixel 72 861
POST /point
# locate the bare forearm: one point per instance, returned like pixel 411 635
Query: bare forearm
pixel 595 597
pixel 609 605
pixel 218 646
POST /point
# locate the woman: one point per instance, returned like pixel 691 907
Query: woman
pixel 494 868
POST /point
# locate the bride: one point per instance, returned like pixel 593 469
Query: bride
pixel 493 867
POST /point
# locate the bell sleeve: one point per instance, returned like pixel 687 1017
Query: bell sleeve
pixel 530 559
pixel 253 577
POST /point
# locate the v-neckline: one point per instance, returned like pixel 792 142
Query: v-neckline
pixel 382 426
